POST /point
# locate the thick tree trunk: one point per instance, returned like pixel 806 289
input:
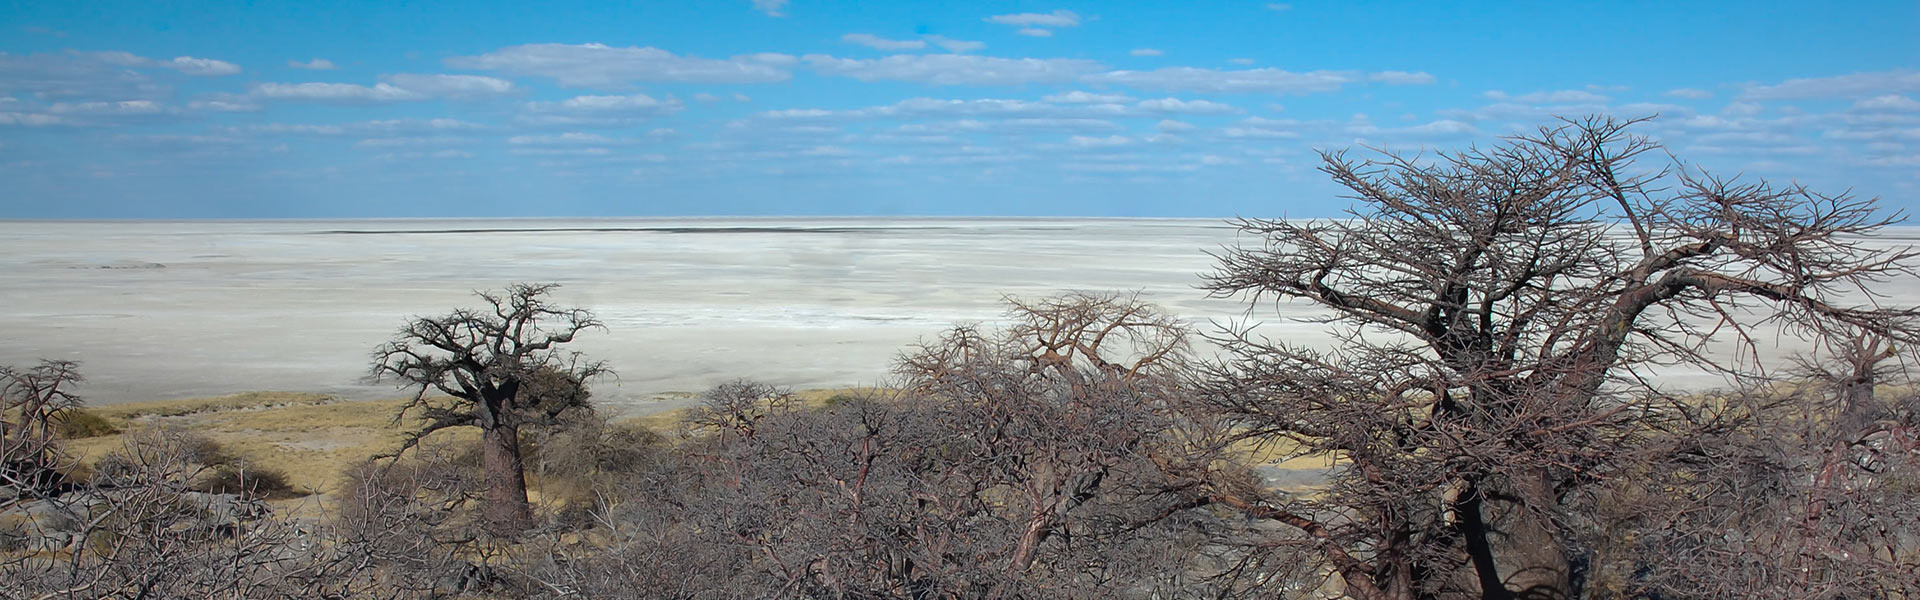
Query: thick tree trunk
pixel 1531 558
pixel 505 510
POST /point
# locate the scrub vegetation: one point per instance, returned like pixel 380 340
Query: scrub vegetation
pixel 1489 423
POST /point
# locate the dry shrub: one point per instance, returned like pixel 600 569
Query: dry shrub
pixel 246 480
pixel 141 530
pixel 81 423
pixel 580 463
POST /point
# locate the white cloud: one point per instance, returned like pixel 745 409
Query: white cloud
pixel 451 86
pixel 1689 93
pixel 1172 126
pixel 401 87
pixel 801 113
pixel 318 64
pixel 1742 109
pixel 1241 61
pixel 1553 97
pixel 1146 52
pixel 1839 86
pixel 599 65
pixel 438 124
pixel 346 93
pixel 383 127
pixel 955 69
pixel 879 43
pixel 1021 125
pixel 201 66
pixel 1887 103
pixel 1907 161
pixel 424 154
pixel 1035 32
pixel 636 104
pixel 84 114
pixel 1263 129
pixel 1879 133
pixel 120 108
pixel 1080 97
pixel 1442 129
pixel 953 45
pixel 74 75
pixel 571 138
pixel 290 129
pixel 1112 141
pixel 1058 18
pixel 204 67
pixel 1071 111
pixel 412 141
pixel 827 151
pixel 992 107
pixel 772 8
pixel 600 111
pixel 1191 107
pixel 224 103
pixel 1070 105
pixel 200 143
pixel 30 119
pixel 1402 78
pixel 1194 79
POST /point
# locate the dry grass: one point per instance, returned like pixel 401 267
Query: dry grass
pixel 313 438
pixel 310 437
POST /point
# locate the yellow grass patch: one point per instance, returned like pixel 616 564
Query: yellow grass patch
pixel 311 438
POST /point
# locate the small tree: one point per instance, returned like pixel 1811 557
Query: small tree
pixel 500 368
pixel 1502 311
pixel 32 401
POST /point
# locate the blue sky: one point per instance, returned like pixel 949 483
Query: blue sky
pixel 768 107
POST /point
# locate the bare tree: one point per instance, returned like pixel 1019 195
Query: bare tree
pixel 1027 462
pixel 1501 312
pixel 141 532
pixel 500 368
pixel 32 401
pixel 1803 490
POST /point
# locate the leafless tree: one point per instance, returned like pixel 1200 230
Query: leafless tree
pixel 1029 462
pixel 140 532
pixel 413 519
pixel 1805 490
pixel 31 402
pixel 499 368
pixel 1500 313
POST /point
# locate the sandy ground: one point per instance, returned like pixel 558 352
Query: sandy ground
pixel 165 310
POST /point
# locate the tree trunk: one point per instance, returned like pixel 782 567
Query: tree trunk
pixel 505 510
pixel 1532 559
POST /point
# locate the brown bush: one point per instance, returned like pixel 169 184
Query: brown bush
pixel 80 423
pixel 248 481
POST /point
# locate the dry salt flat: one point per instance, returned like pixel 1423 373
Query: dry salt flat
pixel 159 310
pixel 173 309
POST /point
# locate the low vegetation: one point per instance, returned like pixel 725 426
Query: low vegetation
pixel 1486 426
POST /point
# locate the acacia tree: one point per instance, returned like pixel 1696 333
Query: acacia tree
pixel 1501 312
pixel 499 368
